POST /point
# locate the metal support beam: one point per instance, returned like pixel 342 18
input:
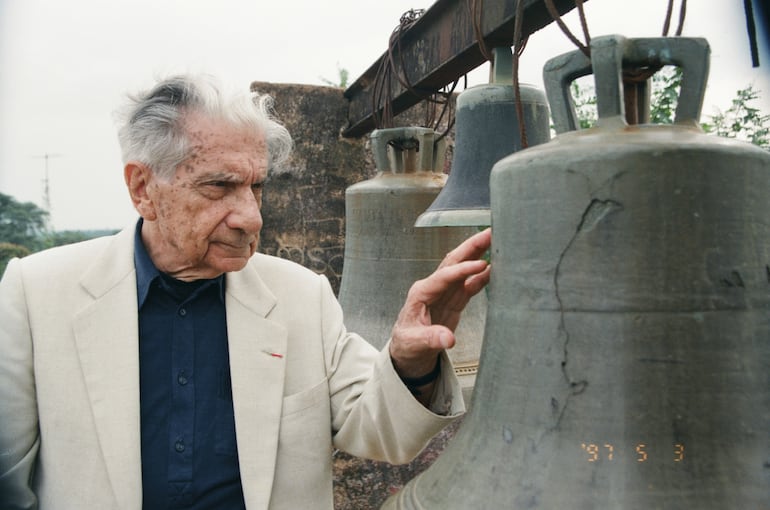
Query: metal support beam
pixel 441 47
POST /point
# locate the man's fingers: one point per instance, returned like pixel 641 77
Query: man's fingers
pixel 430 288
pixel 478 281
pixel 471 249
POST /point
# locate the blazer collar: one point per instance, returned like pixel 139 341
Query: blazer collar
pixel 246 287
pixel 112 266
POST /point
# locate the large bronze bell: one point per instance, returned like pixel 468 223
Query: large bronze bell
pixel 385 253
pixel 486 130
pixel 627 343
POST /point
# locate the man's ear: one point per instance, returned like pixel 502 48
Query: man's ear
pixel 138 177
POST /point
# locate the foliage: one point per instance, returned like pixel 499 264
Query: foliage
pixel 65 237
pixel 664 95
pixel 342 82
pixel 9 251
pixel 22 223
pixel 741 121
pixel 585 105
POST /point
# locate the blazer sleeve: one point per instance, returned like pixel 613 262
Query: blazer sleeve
pixel 19 437
pixel 373 413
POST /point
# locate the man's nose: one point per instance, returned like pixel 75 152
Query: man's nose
pixel 245 212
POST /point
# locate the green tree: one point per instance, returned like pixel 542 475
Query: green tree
pixel 9 251
pixel 22 223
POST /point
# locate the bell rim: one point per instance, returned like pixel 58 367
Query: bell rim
pixel 478 217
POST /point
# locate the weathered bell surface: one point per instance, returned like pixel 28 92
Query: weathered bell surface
pixel 486 130
pixel 385 253
pixel 627 343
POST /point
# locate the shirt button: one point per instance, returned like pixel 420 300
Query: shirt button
pixel 179 446
pixel 182 312
pixel 181 378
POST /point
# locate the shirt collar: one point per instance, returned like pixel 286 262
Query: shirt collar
pixel 147 273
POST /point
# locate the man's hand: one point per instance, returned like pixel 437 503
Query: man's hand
pixel 426 323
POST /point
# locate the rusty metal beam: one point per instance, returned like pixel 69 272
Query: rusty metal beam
pixel 441 47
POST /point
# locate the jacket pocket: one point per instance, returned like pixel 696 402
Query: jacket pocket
pixel 303 466
pixel 317 395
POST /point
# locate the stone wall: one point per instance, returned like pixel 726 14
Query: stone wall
pixel 304 206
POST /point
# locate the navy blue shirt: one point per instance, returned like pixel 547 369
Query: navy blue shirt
pixel 189 453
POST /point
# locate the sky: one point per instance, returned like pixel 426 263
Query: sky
pixel 66 65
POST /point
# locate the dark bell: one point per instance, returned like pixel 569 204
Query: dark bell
pixel 487 129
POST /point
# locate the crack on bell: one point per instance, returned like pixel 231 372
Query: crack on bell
pixel 596 211
pixel 734 280
pixel 593 215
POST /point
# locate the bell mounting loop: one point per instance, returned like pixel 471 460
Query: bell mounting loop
pixel 558 74
pixel 610 55
pixel 407 150
pixel 501 70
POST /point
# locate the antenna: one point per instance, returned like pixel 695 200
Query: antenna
pixel 46 182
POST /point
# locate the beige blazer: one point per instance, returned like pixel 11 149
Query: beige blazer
pixel 302 385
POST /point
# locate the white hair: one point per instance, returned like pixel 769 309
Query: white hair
pixel 152 124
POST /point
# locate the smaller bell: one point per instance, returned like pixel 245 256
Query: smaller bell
pixel 487 129
pixel 384 253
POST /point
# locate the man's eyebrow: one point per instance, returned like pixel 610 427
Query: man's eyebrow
pixel 218 176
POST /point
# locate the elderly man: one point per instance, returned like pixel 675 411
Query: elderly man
pixel 169 366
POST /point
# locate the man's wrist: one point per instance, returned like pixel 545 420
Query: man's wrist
pixel 414 384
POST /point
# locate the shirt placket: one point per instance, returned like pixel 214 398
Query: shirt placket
pixel 182 413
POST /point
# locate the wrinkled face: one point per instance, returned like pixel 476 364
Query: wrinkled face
pixel 206 219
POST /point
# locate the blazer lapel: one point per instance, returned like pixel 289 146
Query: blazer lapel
pixel 107 337
pixel 257 366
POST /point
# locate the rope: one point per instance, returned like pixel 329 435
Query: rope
pixel 669 12
pixel 477 8
pixel 585 48
pixel 382 93
pixel 392 67
pixel 583 22
pixel 518 49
